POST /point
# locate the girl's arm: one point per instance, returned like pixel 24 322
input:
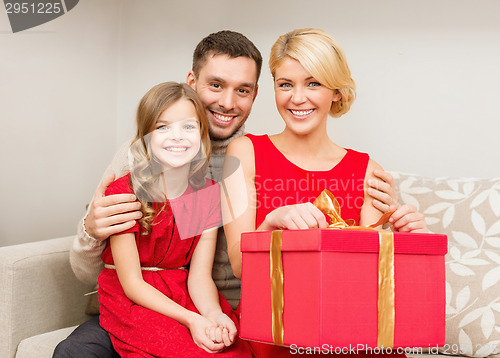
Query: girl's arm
pixel 128 268
pixel 203 291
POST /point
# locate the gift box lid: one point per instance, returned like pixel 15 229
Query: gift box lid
pixel 346 240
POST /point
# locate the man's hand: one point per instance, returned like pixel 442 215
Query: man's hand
pixel 383 191
pixel 110 215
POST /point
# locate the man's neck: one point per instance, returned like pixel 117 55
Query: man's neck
pixel 219 146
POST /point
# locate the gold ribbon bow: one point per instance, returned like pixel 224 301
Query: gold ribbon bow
pixel 329 205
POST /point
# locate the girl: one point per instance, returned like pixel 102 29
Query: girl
pixel 152 304
pixel 284 173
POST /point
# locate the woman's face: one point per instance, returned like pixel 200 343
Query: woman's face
pixel 175 140
pixel 302 101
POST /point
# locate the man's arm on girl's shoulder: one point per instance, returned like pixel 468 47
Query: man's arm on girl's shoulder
pixel 106 216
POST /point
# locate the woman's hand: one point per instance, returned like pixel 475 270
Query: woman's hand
pixel 408 219
pixel 294 217
pixel 200 328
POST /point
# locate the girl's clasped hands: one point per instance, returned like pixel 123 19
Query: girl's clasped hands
pixel 214 333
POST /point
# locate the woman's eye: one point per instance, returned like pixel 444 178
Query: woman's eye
pixel 314 84
pixel 285 85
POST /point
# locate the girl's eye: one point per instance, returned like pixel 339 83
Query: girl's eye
pixel 161 128
pixel 189 127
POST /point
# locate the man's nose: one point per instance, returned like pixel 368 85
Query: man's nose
pixel 226 99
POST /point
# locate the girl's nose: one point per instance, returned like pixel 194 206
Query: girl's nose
pixel 176 133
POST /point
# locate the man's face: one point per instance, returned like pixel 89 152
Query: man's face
pixel 227 87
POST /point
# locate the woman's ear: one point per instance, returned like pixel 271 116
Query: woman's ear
pixel 337 96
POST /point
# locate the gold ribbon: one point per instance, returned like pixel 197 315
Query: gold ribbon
pixel 277 287
pixel 329 205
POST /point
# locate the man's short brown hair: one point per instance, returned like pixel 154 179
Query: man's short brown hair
pixel 230 43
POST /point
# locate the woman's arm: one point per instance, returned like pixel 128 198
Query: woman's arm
pixel 202 289
pixel 128 268
pixel 239 204
pixel 238 200
pixel 369 213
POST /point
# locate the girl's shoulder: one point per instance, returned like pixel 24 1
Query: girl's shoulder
pixel 120 186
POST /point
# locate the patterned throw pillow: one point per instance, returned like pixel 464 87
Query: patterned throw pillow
pixel 468 211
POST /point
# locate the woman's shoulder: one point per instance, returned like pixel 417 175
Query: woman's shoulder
pixel 241 146
pixel 120 186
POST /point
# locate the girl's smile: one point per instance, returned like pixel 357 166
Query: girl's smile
pixel 176 139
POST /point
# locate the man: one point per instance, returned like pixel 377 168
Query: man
pixel 226 68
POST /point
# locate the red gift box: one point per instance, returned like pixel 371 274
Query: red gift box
pixel 330 288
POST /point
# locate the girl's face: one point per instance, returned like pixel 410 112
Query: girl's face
pixel 175 140
pixel 301 100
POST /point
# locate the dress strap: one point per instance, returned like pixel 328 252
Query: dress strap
pixel 113 267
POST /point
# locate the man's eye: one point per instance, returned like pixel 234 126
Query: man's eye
pixel 216 85
pixel 243 91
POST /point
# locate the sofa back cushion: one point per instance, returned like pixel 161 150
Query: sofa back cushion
pixel 468 211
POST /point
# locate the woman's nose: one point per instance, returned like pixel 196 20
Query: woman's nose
pixel 298 95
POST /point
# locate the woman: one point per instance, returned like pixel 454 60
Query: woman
pixel 284 173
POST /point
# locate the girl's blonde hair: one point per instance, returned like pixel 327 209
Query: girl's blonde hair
pixel 145 170
pixel 323 58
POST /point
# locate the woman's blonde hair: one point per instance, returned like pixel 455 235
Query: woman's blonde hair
pixel 323 58
pixel 145 170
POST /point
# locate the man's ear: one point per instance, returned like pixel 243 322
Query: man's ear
pixel 255 92
pixel 191 80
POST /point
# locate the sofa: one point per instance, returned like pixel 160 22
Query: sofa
pixel 42 301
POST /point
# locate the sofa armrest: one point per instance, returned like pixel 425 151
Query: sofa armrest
pixel 39 292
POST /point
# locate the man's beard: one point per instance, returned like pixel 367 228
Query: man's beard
pixel 215 138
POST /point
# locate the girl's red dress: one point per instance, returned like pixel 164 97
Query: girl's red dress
pixel 136 331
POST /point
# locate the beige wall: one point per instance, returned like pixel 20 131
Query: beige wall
pixel 426 72
pixel 58 95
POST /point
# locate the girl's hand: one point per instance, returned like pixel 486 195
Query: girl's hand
pixel 295 217
pixel 225 331
pixel 199 327
pixel 408 219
